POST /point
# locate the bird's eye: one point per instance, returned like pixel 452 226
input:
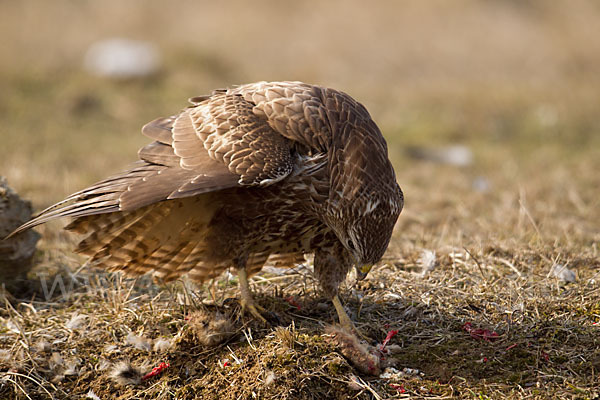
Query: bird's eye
pixel 351 245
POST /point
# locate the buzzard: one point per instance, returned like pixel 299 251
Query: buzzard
pixel 263 170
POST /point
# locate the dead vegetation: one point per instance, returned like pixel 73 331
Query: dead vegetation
pixel 545 335
pixel 484 317
pixel 492 276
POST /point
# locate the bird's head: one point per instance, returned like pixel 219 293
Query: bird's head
pixel 366 227
pixel 364 197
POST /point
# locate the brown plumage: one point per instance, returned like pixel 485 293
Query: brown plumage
pixel 269 169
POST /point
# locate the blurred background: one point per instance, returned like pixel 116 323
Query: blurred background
pixel 490 108
pixel 491 113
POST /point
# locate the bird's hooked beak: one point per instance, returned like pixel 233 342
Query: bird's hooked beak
pixel 362 271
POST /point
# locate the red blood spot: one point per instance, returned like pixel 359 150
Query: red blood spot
pixel 380 351
pixel 389 337
pixel 371 366
pixel 381 347
pixel 484 334
pixel 293 302
pixel 485 359
pixel 399 388
pixel 226 364
pixel 156 370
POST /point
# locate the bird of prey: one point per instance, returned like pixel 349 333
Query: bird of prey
pixel 268 169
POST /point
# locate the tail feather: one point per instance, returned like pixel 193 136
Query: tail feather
pixel 104 230
pixel 139 238
pixel 83 225
pixel 163 240
pixel 101 198
pixel 171 261
pixel 190 261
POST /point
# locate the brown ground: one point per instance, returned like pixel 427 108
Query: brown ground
pixel 517 83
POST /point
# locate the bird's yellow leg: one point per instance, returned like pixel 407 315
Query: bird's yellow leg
pixel 247 301
pixel 345 320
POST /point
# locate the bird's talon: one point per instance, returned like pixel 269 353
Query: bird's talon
pixel 255 310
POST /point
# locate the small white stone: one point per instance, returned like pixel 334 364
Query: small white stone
pixel 563 273
pixel 122 58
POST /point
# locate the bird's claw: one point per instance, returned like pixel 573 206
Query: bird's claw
pixel 254 309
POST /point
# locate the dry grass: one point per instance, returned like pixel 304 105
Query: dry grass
pixel 548 344
pixel 516 82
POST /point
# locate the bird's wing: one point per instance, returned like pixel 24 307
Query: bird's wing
pixel 226 128
pixel 218 143
pixel 311 115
